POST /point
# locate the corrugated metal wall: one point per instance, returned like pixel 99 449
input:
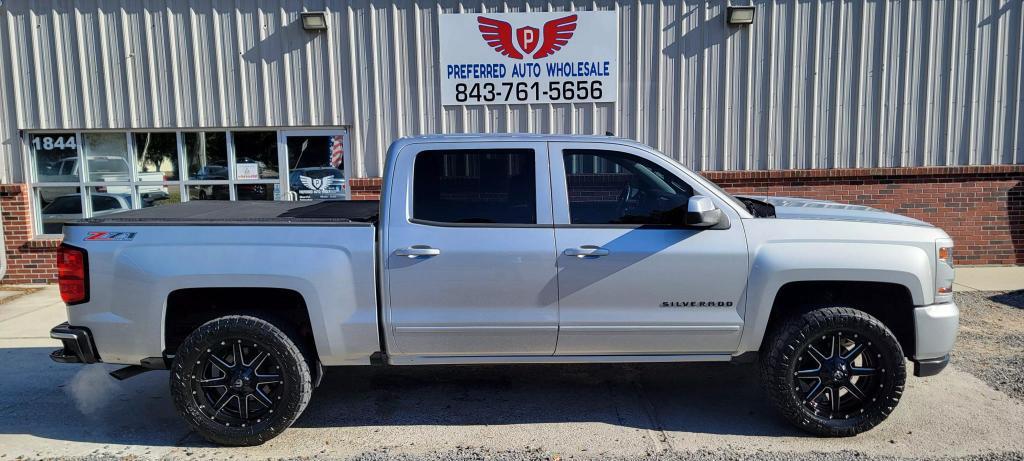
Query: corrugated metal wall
pixel 812 84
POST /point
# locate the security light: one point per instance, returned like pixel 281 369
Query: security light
pixel 739 15
pixel 314 20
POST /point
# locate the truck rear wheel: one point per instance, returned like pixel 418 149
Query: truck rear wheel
pixel 834 372
pixel 240 381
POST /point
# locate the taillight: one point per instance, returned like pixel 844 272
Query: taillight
pixel 72 274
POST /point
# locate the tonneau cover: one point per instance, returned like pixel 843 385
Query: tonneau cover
pixel 247 212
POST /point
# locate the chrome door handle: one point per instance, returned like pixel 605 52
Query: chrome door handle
pixel 417 251
pixel 587 251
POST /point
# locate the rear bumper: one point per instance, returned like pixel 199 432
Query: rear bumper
pixel 78 345
pixel 935 329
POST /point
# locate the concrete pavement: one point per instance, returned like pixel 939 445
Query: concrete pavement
pixel 54 410
pixel 989 278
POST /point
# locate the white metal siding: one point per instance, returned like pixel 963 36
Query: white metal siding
pixel 812 84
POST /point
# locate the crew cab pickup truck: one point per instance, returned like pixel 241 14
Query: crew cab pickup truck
pixel 510 249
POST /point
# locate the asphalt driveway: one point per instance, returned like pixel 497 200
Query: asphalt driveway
pixel 668 411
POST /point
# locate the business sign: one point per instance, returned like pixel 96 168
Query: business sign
pixel 523 58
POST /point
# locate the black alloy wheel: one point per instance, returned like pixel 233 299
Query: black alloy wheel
pixel 240 380
pixel 836 375
pixel 238 384
pixel 834 371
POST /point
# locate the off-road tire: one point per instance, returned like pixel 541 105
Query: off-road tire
pixel 779 365
pixel 288 404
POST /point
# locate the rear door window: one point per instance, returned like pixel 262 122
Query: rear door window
pixel 487 186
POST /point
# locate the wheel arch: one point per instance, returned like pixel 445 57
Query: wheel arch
pixel 885 280
pixel 188 308
pixel 890 303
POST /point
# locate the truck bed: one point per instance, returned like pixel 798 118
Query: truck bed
pixel 212 212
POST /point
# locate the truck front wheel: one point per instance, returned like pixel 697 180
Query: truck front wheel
pixel 834 372
pixel 240 381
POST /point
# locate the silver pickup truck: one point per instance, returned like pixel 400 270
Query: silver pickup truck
pixel 510 249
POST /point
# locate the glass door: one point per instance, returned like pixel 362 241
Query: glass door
pixel 316 164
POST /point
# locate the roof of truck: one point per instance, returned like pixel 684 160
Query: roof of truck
pixel 498 137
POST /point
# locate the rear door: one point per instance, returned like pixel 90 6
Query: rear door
pixel 630 281
pixel 470 252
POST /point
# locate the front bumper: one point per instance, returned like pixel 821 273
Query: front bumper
pixel 78 345
pixel 935 329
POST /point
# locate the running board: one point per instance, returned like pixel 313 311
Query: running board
pixel 502 360
pixel 129 371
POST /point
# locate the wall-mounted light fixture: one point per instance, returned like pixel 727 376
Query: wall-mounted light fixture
pixel 314 20
pixel 739 15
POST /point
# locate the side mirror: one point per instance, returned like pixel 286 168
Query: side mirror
pixel 702 212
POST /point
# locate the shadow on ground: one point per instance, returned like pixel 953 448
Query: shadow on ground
pixel 700 398
pixel 1013 299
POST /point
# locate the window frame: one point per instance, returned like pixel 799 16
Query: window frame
pixel 84 185
pixel 560 190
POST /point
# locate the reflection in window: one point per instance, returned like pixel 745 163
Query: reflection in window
pixel 168 196
pixel 156 156
pixel 56 156
pixel 615 188
pixel 109 200
pixel 217 192
pixel 107 154
pixel 206 155
pixel 255 154
pixel 255 191
pixel 475 186
pixel 58 205
pixel 316 167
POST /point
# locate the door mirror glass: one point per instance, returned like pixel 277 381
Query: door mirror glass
pixel 702 212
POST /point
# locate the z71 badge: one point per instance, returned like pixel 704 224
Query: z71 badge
pixel 109 236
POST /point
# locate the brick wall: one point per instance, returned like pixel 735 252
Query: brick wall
pixel 982 208
pixel 28 260
pixel 365 188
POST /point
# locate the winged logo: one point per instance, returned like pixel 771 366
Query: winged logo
pixel 500 36
pixel 317 184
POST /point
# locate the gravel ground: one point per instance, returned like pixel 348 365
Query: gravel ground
pixel 991 341
pixel 707 455
pixel 480 454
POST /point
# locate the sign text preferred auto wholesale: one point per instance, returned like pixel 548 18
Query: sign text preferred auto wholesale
pixel 522 58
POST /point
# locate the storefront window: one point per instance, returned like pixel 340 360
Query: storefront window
pixel 131 170
pixel 158 195
pixel 211 192
pixel 55 156
pixel 255 155
pixel 156 157
pixel 107 156
pixel 56 206
pixel 207 156
pixel 255 191
pixel 316 167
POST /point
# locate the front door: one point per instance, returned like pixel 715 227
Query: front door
pixel 631 282
pixel 470 253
